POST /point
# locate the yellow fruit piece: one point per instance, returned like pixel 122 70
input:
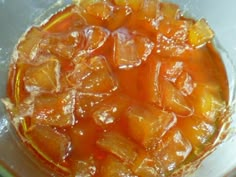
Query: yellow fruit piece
pixel 208 101
pixel 197 131
pixel 200 33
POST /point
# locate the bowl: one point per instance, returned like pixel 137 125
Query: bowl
pixel 17 16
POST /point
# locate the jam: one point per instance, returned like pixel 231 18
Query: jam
pixel 117 88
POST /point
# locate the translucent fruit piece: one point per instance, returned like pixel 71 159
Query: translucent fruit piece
pixel 149 81
pixel 172 150
pixel 175 31
pixel 171 69
pixel 197 131
pixel 125 51
pixel 85 168
pixel 92 75
pixel 171 37
pixel 118 18
pixel 64 45
pixel 208 101
pixel 170 10
pixel 28 46
pixel 119 146
pixel 200 33
pixel 100 9
pixel 85 102
pixel 130 49
pixel 24 109
pixel 95 36
pixel 173 100
pixel 49 143
pixel 148 125
pixel 105 115
pixel 110 110
pixel 55 110
pixel 185 83
pixel 149 10
pixel 134 4
pixel 144 46
pixel 113 167
pixel 43 77
pixel 145 166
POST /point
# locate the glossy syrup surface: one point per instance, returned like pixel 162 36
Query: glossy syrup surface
pixel 118 88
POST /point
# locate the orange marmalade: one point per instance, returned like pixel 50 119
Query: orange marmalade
pixel 117 88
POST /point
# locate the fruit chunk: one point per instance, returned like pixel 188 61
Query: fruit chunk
pixel 18 111
pixel 51 144
pixel 29 45
pixel 172 150
pixel 95 37
pixel 118 18
pixel 64 45
pixel 113 167
pixel 64 22
pixel 92 75
pixel 85 102
pixel 105 115
pixel 110 110
pixel 43 77
pixel 170 10
pixel 100 9
pixel 147 125
pixel 200 33
pixel 185 83
pixel 85 168
pixel 144 46
pixel 55 110
pixel 130 49
pixel 119 146
pixel 208 101
pixel 173 100
pixel 149 10
pixel 171 69
pixel 171 37
pixel 125 51
pixel 83 136
pixel 145 166
pixel 197 131
pixel 149 81
pixel 134 4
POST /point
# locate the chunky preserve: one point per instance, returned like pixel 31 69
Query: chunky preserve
pixel 117 88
